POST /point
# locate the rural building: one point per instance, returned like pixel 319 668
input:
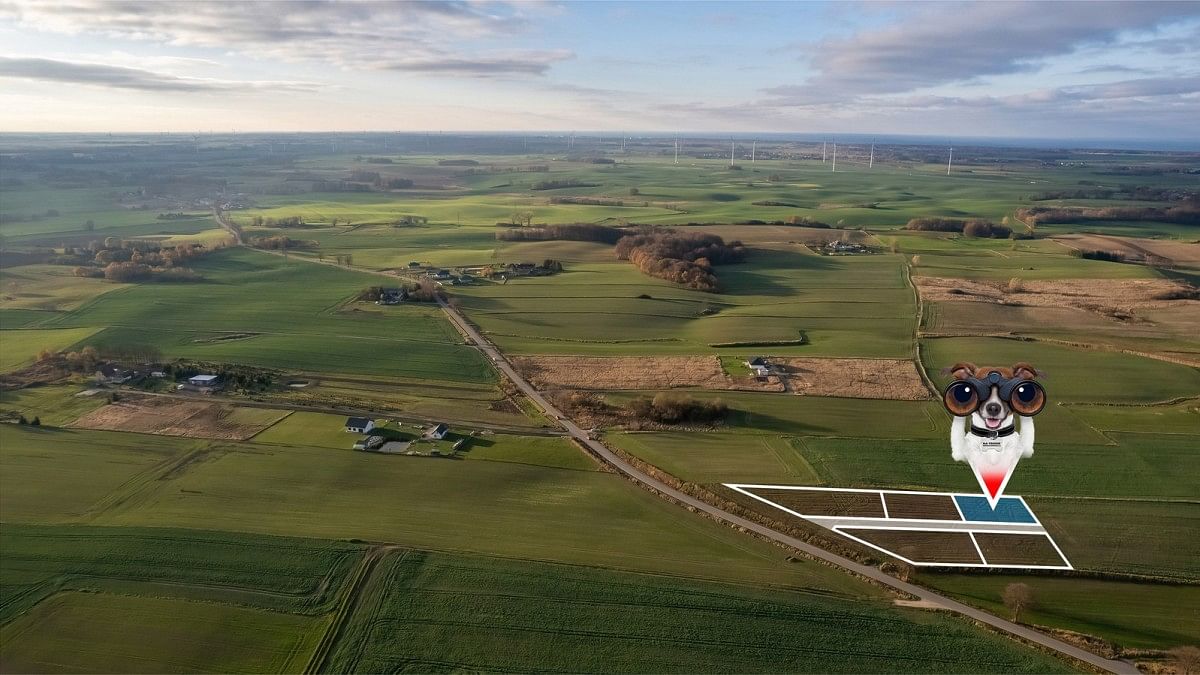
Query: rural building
pixel 839 246
pixel 203 380
pixel 359 425
pixel 521 269
pixel 113 374
pixel 759 366
pixel 438 432
pixel 392 296
pixel 370 443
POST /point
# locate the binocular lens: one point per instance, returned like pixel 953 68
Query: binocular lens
pixel 960 399
pixel 1028 398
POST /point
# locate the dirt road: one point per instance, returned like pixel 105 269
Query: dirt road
pixel 922 594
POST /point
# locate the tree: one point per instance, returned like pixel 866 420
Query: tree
pixel 1187 659
pixel 89 226
pixel 1017 598
pixel 44 355
pixel 21 420
pixel 37 421
pixel 633 192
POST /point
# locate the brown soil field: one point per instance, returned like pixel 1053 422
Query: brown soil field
pixel 1017 549
pixel 1111 297
pixel 928 507
pixel 922 546
pixel 895 379
pixel 1135 248
pixel 822 503
pixel 174 417
pixel 632 372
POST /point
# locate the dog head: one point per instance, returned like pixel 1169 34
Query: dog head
pixel 995 411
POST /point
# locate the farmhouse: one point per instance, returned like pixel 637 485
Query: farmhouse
pixel 759 366
pixel 359 425
pixel 392 296
pixel 438 432
pixel 113 374
pixel 203 381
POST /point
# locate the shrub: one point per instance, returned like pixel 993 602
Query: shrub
pixel 670 408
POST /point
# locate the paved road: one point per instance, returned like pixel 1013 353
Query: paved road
pixel 925 595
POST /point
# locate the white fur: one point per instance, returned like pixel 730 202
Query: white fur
pixel 962 441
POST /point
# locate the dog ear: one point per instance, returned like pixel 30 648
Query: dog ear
pixel 957 370
pixel 1024 370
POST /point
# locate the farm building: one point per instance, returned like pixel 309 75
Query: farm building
pixel 359 425
pixel 759 366
pixel 203 380
pixel 113 374
pixel 438 432
pixel 392 296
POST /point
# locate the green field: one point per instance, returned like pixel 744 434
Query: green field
pixel 289 315
pixel 1129 614
pixel 130 552
pixel 198 601
pixel 464 613
pixel 19 348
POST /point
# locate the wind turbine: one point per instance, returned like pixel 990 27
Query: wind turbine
pixel 871 164
pixel 823 151
pixel 676 149
pixel 753 146
pixel 732 145
pixel 950 161
pixel 834 170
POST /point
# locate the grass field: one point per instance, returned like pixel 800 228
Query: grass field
pixel 60 475
pixel 19 348
pixel 56 405
pixel 500 508
pixel 845 307
pixel 294 315
pixel 1129 614
pixel 198 601
pixel 87 632
pixel 467 613
pixel 1072 375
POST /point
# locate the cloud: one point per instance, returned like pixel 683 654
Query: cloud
pixel 120 77
pixel 404 36
pixel 944 43
pixel 525 63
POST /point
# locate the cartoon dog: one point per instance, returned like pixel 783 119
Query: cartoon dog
pixel 990 399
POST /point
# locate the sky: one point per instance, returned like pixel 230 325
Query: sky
pixel 986 69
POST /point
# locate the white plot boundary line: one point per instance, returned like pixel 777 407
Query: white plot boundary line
pixel 912 524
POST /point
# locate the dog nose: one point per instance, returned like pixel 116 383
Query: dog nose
pixel 993 409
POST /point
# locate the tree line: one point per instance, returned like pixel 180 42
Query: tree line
pixel 974 227
pixel 1186 213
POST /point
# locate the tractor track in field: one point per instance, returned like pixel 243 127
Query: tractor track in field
pixel 350 601
pixel 624 467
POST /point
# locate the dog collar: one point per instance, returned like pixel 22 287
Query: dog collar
pixel 998 433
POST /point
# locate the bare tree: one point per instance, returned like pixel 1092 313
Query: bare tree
pixel 1017 598
pixel 1187 660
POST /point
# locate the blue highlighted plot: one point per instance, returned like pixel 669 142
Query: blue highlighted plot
pixel 1008 510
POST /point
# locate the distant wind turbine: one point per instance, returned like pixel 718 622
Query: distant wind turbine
pixel 753 147
pixel 834 170
pixel 732 145
pixel 950 161
pixel 823 143
pixel 871 164
pixel 676 149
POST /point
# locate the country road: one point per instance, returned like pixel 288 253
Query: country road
pixel 924 595
pixel 616 461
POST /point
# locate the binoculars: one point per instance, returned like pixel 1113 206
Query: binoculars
pixel 1025 397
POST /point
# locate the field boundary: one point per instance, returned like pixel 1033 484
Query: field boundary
pixel 840 524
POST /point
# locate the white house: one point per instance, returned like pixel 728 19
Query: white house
pixel 437 433
pixel 359 425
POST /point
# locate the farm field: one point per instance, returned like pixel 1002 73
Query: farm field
pixel 499 507
pixel 199 601
pixel 1126 613
pixel 212 534
pixel 19 348
pixel 261 310
pixel 470 613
